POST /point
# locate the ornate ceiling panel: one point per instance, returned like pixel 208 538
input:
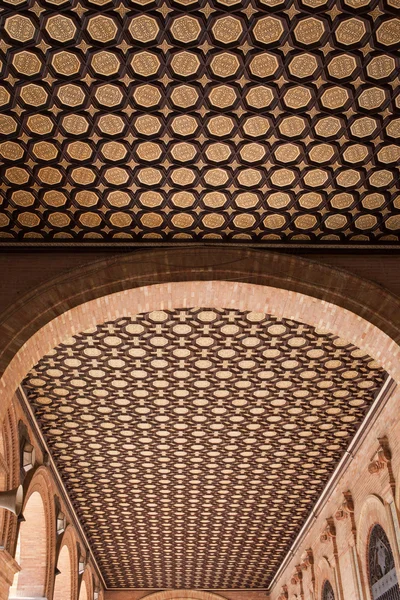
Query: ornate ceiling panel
pixel 193 443
pixel 134 121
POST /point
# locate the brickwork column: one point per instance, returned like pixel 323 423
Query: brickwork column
pixel 8 568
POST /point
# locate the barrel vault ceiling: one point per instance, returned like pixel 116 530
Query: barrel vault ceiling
pixel 152 121
pixel 194 442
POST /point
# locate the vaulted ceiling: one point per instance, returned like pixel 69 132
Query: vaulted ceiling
pixel 194 442
pixel 143 121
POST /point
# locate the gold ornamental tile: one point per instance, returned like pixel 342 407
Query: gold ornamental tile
pixel 145 63
pixel 61 28
pixel 184 96
pixel 23 198
pixel 118 198
pixel 116 176
pixel 309 31
pixel 150 176
pixel 66 63
pixel 215 199
pixel 223 96
pixel 342 66
pixel 183 199
pixel 252 152
pixel 393 223
pixel 381 179
pixel 381 67
pixel 184 125
pixel 20 28
pixel 268 30
pixel 225 64
pixel 259 97
pixel 147 95
pixel 50 175
pixel 286 153
pixel 185 63
pixel 109 95
pixel 321 153
pixel 27 63
pixel 389 154
pixel 336 222
pixel 75 124
pixel 8 125
pixel 283 177
pixel 350 31
pixel 80 151
pixel 144 28
pixel 34 95
pixel 246 200
pixel 71 95
pixel 105 63
pixel 151 199
pixel 4 96
pixel 311 200
pixel 363 127
pixel 371 98
pixel 264 65
pixel 292 126
pixel 54 198
pixel 306 221
pixel 342 201
pixel 147 125
pixel 216 177
pixel 297 97
pixel 278 200
pixel 256 126
pixel 59 219
pixel 149 151
pixel 334 98
pixel 393 128
pixel 220 126
pixel 28 219
pixel 315 178
pixel 274 221
pixel 183 176
pixel 249 178
pixel 120 219
pixel 227 29
pixel 40 124
pixel 348 178
pixel 373 201
pixel 11 151
pixel 45 151
pixel 355 153
pixel 114 151
pixel 83 176
pixel 244 221
pixel 183 152
pixel 303 65
pixel 182 221
pixel 111 124
pixel 365 222
pixel 328 126
pixel 102 28
pixel 186 29
pixel 388 33
pixel 17 176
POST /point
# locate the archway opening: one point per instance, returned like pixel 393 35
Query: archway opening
pixel 31 552
pixel 381 568
pixel 63 585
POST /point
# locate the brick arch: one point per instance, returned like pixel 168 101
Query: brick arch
pixel 183 595
pixel 9 475
pixel 284 285
pixel 324 572
pixel 66 582
pixel 374 511
pixel 37 537
pixel 86 585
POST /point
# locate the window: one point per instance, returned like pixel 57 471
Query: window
pixel 381 569
pixel 327 591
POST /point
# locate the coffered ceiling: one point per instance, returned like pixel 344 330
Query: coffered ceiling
pixel 144 121
pixel 193 443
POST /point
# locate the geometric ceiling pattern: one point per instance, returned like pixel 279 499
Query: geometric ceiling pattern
pixel 193 443
pixel 270 121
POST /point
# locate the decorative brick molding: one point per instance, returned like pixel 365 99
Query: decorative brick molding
pixel 9 475
pixel 287 286
pixel 8 568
